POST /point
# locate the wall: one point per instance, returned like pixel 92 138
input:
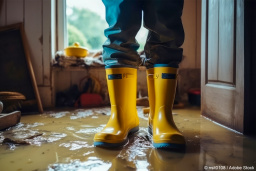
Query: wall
pixel 191 19
pixel 36 16
pixel 189 73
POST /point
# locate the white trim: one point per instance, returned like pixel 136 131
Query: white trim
pixel 53 28
pixel 47 41
pixel 61 25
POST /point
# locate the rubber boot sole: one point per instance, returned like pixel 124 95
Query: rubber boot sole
pixel 170 146
pixel 116 145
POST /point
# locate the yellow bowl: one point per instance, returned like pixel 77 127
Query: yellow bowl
pixel 76 50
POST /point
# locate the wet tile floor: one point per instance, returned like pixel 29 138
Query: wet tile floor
pixel 63 140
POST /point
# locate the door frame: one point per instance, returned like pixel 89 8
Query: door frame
pixel 250 65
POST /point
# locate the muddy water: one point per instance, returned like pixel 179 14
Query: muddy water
pixel 63 141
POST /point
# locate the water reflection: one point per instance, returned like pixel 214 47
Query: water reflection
pixel 64 141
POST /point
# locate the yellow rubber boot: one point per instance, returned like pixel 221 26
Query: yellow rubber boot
pixel 165 132
pixel 151 97
pixel 122 88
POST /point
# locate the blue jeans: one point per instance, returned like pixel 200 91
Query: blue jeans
pixel 163 20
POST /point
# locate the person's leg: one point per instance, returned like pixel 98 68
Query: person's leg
pixel 121 59
pixel 163 55
pixel 124 20
pixel 163 20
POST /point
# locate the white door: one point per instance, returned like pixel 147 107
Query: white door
pixel 222 79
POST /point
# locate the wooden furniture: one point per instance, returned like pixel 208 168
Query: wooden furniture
pixel 16 71
pixel 9 119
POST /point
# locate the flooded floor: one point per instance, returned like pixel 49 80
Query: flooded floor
pixel 64 141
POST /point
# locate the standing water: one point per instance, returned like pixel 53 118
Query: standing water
pixel 64 141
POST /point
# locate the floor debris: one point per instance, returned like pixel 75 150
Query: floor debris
pixel 63 140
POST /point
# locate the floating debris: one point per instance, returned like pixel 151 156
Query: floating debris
pixel 75 145
pixel 91 164
pixel 59 114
